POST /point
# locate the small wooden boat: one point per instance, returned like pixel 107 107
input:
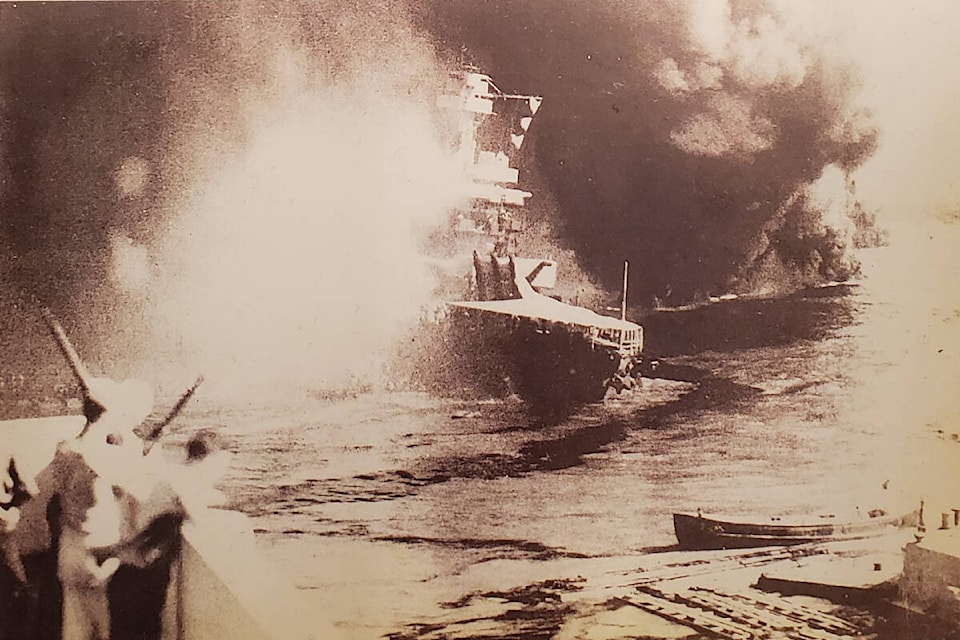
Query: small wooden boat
pixel 695 531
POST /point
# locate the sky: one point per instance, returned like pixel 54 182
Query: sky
pixel 907 53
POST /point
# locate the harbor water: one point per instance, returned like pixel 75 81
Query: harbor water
pixel 392 511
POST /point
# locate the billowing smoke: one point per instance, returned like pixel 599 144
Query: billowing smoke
pixel 298 259
pixel 807 241
pixel 294 257
pixel 243 189
pixel 687 137
pixel 240 190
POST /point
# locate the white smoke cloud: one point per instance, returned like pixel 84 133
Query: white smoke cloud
pixel 727 61
pixel 757 51
pixel 762 54
pixel 726 128
pixel 734 56
pixel 710 27
pixel 708 75
pixel 308 164
pixel 904 54
pixel 704 75
pixel 298 262
pixel 671 78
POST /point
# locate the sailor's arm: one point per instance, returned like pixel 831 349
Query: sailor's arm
pixel 15 490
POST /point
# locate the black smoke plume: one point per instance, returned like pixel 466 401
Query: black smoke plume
pixel 249 182
pixel 682 136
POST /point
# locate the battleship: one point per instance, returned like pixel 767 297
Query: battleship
pixel 552 354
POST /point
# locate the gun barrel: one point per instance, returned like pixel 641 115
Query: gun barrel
pixel 92 408
pixel 151 435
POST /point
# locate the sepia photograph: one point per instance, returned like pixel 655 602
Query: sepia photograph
pixel 480 320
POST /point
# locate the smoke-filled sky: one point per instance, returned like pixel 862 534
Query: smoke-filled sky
pixel 248 185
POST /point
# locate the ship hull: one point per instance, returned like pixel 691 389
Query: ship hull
pixel 556 367
pixel 552 368
pixel 697 532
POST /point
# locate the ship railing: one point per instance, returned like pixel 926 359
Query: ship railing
pixel 628 343
pixel 630 349
pixel 598 341
pixel 613 343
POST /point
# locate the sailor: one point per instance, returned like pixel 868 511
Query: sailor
pixel 102 505
pixel 99 524
pixel 88 518
pixel 15 491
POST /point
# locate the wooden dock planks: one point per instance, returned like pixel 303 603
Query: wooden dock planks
pixel 740 617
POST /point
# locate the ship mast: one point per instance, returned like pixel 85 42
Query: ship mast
pixel 623 304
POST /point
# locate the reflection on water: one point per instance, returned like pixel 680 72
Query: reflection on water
pixel 384 507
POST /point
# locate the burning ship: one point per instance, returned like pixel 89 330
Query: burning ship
pixel 554 355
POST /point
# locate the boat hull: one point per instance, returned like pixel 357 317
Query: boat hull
pixel 697 532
